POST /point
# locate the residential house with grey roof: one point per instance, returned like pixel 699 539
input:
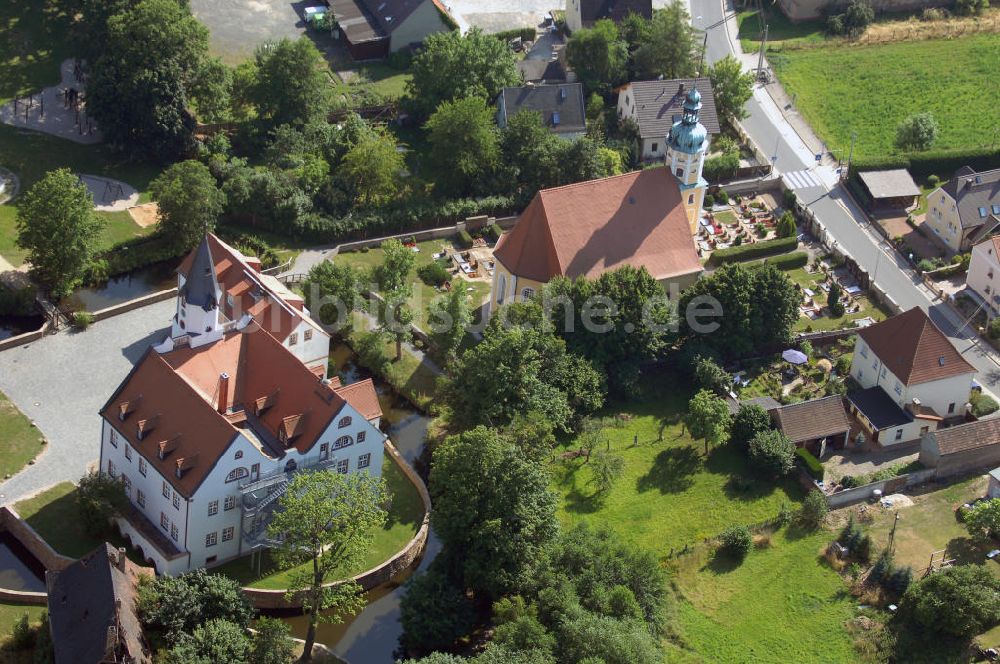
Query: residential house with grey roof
pixel 962 449
pixel 373 29
pixel 561 107
pixel 584 13
pixel 966 209
pixel 656 105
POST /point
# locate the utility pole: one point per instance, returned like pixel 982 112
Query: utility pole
pixel 892 535
pixel 704 47
pixel 760 58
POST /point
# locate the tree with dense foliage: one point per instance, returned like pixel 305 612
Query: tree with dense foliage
pixel 210 643
pixel 333 292
pixel 210 90
pixel 450 317
pixel 57 226
pixel 814 509
pixel 188 201
pixel 758 306
pixel 397 261
pixel 959 601
pixel 435 610
pixel 372 168
pixel 325 523
pixel 971 7
pixel 749 421
pixel 99 499
pixel 530 370
pixel 732 88
pixel 771 453
pixel 619 321
pixel 786 224
pixel 736 542
pixel 917 132
pixel 670 49
pixel 396 316
pixel 710 376
pixel 172 606
pixel 138 88
pixel 606 467
pixel 451 66
pixel 833 300
pixel 983 520
pixel 708 418
pixel 598 56
pixel 464 145
pixel 289 84
pixel 272 643
pixel 531 151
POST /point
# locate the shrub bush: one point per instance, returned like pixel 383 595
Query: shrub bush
pixel 493 232
pixel 994 328
pixel 925 265
pixel 464 239
pixel 971 7
pixel 526 34
pixel 849 481
pixel 82 319
pixel 983 404
pixel 811 463
pixel 790 261
pixel 923 164
pixel 22 634
pixel 433 274
pixel 814 510
pixel 932 181
pixel 16 301
pixel 721 167
pixel 750 251
pixel 709 201
pixel 771 453
pixel 843 365
pixel 722 196
pixel 736 542
pixel 790 198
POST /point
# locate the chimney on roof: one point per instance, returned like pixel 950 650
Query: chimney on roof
pixel 223 392
pixel 121 559
pixel 680 90
pixel 914 406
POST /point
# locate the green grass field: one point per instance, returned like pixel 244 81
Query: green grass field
pixel 871 89
pixel 408 375
pixel 670 494
pixel 780 31
pixel 53 514
pixel 782 604
pixel 19 441
pixel 405 515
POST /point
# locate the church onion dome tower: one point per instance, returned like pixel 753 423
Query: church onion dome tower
pixel 687 145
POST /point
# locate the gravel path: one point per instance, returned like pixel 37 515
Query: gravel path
pixel 62 380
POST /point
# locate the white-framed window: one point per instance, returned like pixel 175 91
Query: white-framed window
pixel 227 533
pixel 293 338
pixel 344 422
pixel 324 451
pixel 177 501
pixel 361 436
pixel 114 438
pixel 128 452
pixel 173 531
pixel 213 508
pixel 142 467
pixel 111 468
pixel 342 466
pixel 212 538
pixel 166 489
pixel 899 434
pixel 238 455
pixel 127 484
pixel 140 498
pixel 230 503
pixel 236 474
pixel 342 442
pixel 883 372
pixel 307 335
pixel 164 521
pixel 680 171
pixel 364 461
pixel 899 388
pixel 875 366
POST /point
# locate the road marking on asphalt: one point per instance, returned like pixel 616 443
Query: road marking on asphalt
pixel 801 180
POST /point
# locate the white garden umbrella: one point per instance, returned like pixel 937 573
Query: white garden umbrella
pixel 794 356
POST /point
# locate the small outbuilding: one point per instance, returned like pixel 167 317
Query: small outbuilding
pixel 962 449
pixel 817 425
pixel 561 107
pixel 890 190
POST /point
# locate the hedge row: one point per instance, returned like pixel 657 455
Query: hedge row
pixel 812 464
pixel 526 34
pixel 746 252
pixel 932 162
pixel 132 255
pixel 788 261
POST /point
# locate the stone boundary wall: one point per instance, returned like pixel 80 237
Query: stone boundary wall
pixel 12 523
pixel 24 597
pixel 388 570
pixel 26 338
pixel 892 485
pixel 132 305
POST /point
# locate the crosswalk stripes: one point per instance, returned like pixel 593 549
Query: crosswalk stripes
pixel 801 180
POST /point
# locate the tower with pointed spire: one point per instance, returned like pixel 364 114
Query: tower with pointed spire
pixel 687 145
pixel 198 296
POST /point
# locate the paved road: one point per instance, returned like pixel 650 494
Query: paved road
pixel 62 380
pixel 817 187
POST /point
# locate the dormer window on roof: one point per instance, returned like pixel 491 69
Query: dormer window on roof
pixel 125 408
pixel 143 427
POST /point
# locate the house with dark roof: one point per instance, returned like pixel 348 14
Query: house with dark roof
pixel 561 107
pixel 962 449
pixel 656 105
pixel 966 209
pixel 92 612
pixel 538 70
pixel 373 29
pixel 209 426
pixel 588 228
pixel 584 13
pixel 817 425
pixel 912 378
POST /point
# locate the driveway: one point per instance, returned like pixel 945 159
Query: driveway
pixel 61 381
pixel 237 27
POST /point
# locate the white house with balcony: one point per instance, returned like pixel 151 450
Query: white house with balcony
pixel 912 378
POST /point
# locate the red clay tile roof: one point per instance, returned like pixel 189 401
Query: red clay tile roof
pixel 251 292
pixel 587 228
pixel 179 393
pixel 362 397
pixel 966 437
pixel 914 349
pixel 813 419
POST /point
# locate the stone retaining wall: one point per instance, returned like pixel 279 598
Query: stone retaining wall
pixel 132 305
pixel 892 485
pixel 388 570
pixel 26 338
pixel 31 540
